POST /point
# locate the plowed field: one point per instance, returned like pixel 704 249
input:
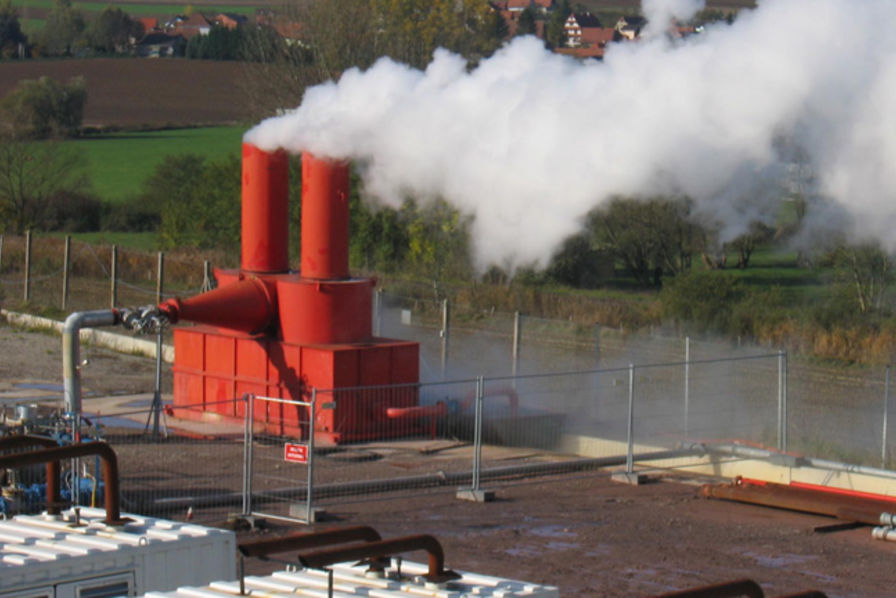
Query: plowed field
pixel 148 92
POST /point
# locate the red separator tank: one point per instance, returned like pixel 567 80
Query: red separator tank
pixel 270 331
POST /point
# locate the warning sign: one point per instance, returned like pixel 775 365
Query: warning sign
pixel 295 453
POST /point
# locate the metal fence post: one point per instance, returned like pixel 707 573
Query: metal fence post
pixel 27 292
pixel 477 433
pixel 517 329
pixel 597 346
pixel 687 383
pixel 66 270
pixel 206 276
pixel 309 516
pixel 160 276
pixel 377 307
pixel 113 298
pixel 883 441
pixel 445 334
pixel 782 401
pixel 629 457
pixel 249 443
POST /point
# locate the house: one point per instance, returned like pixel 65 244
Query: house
pixel 188 26
pixel 161 45
pixel 229 20
pixel 150 24
pixel 630 27
pixel 578 26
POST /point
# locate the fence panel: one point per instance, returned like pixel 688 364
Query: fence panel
pixel 408 448
pixel 837 415
pixel 192 470
pixel 279 458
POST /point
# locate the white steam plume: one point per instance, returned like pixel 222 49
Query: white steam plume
pixel 530 141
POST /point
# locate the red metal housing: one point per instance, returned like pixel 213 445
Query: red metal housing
pixel 273 332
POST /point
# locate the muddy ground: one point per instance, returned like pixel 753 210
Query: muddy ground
pixel 584 533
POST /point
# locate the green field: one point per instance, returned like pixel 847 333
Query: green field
pixel 118 164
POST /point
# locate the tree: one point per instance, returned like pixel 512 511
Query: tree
pixel 704 300
pixel 526 24
pixel 11 36
pixel 63 29
pixel 114 31
pixel 651 237
pixel 198 201
pixel 30 173
pixel 869 270
pixel 554 32
pixel 42 108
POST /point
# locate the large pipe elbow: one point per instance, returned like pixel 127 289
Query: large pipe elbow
pixel 71 350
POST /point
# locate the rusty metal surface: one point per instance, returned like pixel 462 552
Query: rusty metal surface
pixel 842 506
pixel 304 541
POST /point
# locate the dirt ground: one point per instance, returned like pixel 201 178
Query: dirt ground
pixel 583 533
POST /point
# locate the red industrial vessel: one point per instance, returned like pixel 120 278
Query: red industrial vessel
pixel 274 332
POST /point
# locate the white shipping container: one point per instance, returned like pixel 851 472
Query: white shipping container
pixel 401 579
pixel 79 556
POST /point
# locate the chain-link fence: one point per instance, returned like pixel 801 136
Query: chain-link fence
pixel 463 435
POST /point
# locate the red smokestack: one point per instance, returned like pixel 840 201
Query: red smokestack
pixel 265 213
pixel 325 212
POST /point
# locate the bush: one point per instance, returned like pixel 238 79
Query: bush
pixel 44 108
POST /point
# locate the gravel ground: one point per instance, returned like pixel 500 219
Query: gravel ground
pixel 583 533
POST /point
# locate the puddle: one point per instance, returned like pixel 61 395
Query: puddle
pixel 562 546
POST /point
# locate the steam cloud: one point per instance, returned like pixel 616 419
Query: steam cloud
pixel 530 141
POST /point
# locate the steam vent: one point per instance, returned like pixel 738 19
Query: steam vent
pixel 274 332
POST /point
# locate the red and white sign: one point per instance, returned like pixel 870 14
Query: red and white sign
pixel 295 453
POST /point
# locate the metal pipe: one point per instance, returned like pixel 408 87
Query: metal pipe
pixel 101 449
pixel 385 548
pixel 851 508
pixel 71 350
pixel 54 469
pixel 325 218
pixel 730 589
pixel 303 541
pixel 265 210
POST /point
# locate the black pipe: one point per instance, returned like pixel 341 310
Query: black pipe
pixel 302 541
pixel 385 548
pixel 101 449
pixel 54 469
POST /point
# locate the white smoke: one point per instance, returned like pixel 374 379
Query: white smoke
pixel 661 14
pixel 530 141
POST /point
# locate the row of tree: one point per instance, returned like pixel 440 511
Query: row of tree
pixel 67 32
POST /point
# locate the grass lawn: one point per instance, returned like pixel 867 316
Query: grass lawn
pixel 119 163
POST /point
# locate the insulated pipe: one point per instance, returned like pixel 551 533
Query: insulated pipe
pixel 248 305
pixel 325 215
pixel 730 589
pixel 54 493
pixel 302 541
pixel 385 548
pixel 101 449
pixel 265 211
pixel 71 349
